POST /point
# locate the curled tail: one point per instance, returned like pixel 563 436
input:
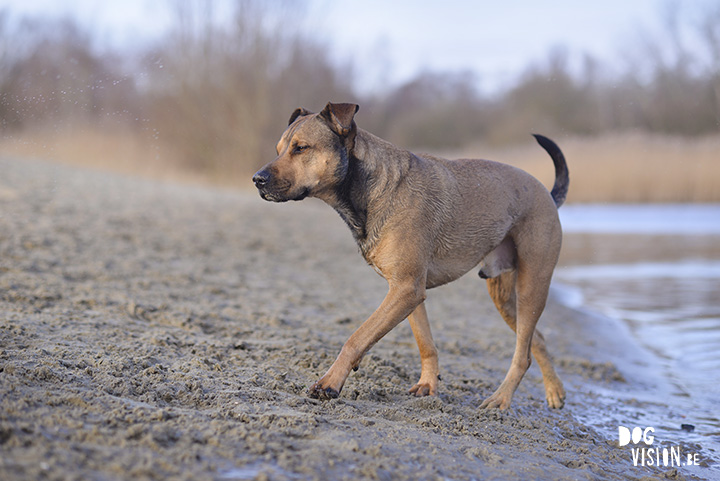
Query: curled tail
pixel 562 178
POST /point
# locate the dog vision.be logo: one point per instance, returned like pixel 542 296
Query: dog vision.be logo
pixel 653 456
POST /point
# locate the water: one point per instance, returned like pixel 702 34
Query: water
pixel 673 219
pixel 656 268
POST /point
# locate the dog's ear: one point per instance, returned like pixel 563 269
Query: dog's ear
pixel 301 112
pixel 340 117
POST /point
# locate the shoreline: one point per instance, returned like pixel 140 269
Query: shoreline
pixel 651 399
pixel 676 409
pixel 160 331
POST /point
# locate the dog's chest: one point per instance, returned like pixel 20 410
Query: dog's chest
pixel 370 258
pixel 377 269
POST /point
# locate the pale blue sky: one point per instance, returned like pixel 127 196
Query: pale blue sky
pixel 391 41
pixel 494 39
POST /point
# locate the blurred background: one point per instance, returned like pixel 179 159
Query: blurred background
pixel 202 89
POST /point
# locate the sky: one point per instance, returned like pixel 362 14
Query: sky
pixel 389 41
pixel 495 40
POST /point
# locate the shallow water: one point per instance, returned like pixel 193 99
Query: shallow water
pixel 656 268
pixel 673 219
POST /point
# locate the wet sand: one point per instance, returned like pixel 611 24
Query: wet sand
pixel 160 331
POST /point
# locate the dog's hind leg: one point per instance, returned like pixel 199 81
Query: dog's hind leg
pixel 554 390
pixel 429 373
pixel 502 291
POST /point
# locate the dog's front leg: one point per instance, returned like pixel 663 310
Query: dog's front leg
pixel 402 299
pixel 429 370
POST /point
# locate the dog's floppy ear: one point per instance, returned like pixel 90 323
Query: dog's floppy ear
pixel 301 112
pixel 340 117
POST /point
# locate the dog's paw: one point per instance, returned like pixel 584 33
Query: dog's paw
pixel 317 391
pixel 499 400
pixel 555 396
pixel 423 389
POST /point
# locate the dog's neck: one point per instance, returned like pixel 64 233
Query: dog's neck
pixel 363 197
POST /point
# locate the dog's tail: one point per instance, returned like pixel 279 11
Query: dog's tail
pixel 562 178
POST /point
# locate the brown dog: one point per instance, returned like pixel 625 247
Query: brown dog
pixel 421 222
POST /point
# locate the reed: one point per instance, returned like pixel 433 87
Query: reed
pixel 628 168
pixel 118 150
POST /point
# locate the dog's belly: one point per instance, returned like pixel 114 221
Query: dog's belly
pixel 456 254
pixel 447 269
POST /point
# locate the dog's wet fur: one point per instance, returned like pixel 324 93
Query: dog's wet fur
pixel 421 222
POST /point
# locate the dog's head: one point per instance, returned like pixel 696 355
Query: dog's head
pixel 312 154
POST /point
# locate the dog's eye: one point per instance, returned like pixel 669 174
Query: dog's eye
pixel 300 148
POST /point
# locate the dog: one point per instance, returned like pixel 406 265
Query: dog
pixel 422 221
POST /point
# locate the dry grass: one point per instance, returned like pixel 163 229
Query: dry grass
pixel 625 168
pixel 618 168
pixel 117 150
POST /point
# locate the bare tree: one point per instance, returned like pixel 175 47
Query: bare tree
pixel 223 93
pixel 57 79
pixel 710 31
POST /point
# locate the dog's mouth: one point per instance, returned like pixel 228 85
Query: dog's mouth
pixel 277 189
pixel 275 196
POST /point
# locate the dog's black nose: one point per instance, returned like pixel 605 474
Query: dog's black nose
pixel 261 178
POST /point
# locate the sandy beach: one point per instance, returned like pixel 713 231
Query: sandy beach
pixel 154 330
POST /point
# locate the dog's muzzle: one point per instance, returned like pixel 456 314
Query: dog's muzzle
pixel 261 179
pixel 268 190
